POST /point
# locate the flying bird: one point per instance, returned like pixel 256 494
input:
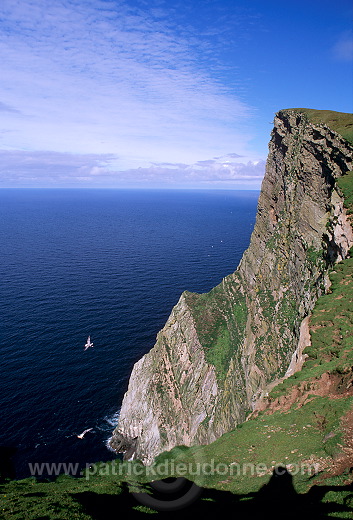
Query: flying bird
pixel 81 435
pixel 89 343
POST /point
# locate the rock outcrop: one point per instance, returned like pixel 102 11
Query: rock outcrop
pixel 219 351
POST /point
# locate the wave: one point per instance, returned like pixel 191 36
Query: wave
pixel 111 420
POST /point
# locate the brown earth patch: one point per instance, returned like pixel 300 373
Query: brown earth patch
pixel 343 463
pixel 335 386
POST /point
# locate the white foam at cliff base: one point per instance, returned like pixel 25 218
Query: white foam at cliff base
pixel 113 419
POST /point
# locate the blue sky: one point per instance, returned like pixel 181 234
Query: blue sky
pixel 154 93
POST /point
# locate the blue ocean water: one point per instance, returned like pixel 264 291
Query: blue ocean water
pixel 105 263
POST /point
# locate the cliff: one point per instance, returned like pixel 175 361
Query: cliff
pixel 219 353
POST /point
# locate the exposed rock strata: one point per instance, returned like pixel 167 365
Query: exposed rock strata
pixel 219 351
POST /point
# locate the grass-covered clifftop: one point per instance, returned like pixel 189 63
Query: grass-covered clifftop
pixel 340 122
pixel 305 423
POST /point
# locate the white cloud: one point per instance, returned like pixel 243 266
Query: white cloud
pixel 104 77
pixel 7 108
pixel 17 167
pixel 343 49
pixel 43 169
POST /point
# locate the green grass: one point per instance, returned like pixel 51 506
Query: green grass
pixel 331 331
pixel 340 122
pixel 346 184
pixel 220 319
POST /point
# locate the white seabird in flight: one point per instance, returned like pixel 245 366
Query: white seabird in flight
pixel 89 343
pixel 81 435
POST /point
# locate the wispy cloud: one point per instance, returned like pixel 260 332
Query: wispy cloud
pixel 343 48
pixel 222 171
pixel 7 108
pixel 116 77
pixel 20 168
pixel 44 169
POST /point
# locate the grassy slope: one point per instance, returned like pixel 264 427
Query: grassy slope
pixel 340 122
pixel 310 430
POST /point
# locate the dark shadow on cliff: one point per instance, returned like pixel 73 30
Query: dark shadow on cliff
pixel 277 499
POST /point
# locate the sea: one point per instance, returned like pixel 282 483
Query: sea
pixel 106 263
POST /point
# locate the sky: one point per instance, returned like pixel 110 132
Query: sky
pixel 161 94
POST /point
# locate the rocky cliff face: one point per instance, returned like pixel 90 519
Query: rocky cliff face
pixel 220 351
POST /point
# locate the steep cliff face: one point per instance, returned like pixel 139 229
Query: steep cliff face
pixel 220 351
